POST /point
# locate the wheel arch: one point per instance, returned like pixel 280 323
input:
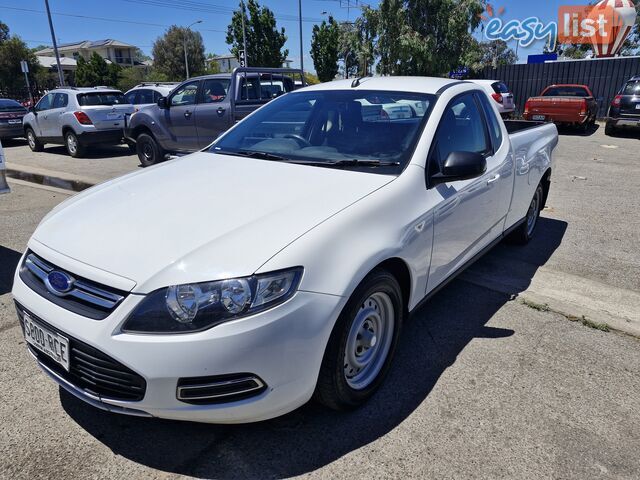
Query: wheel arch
pixel 546 185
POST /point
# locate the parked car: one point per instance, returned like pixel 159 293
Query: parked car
pixel 146 94
pixel 4 186
pixel 625 107
pixel 11 115
pixel 278 264
pixel 499 91
pixel 77 118
pixel 563 104
pixel 201 108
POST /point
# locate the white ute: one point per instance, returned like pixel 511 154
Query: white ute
pixel 279 264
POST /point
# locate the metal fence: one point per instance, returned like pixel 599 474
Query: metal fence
pixel 603 76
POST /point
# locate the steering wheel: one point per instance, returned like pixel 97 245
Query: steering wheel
pixel 300 139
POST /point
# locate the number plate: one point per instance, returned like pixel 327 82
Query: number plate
pixel 50 343
pixel 15 121
pixel 538 117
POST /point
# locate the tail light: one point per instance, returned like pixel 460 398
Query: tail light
pixel 527 107
pixel 583 107
pixel 83 118
pixel 617 101
pixel 498 97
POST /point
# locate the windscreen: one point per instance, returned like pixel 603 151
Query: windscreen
pixel 101 99
pixel 7 105
pixel 566 92
pixel 333 126
pixel 632 88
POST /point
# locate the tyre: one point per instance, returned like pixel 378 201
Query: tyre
pixel 524 233
pixel 609 129
pixel 34 144
pixel 362 343
pixel 74 148
pixel 148 150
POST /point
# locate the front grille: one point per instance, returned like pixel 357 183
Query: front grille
pixel 90 369
pixel 86 298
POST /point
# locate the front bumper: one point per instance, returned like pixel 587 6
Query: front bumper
pixel 283 346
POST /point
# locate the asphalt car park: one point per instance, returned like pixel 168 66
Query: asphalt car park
pixel 492 379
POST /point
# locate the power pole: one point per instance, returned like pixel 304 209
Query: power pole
pixel 55 44
pixel 244 37
pixel 184 44
pixel 301 48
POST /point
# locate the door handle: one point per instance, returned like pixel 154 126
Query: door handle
pixel 220 111
pixel 493 180
pixel 187 114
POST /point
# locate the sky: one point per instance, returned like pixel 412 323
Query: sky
pixel 140 22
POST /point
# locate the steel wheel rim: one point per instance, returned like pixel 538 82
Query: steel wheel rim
pixel 147 151
pixel 369 341
pixel 31 139
pixel 72 143
pixel 532 214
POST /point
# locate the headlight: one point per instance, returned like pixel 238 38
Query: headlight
pixel 199 306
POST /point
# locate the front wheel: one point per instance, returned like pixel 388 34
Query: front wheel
pixel 362 343
pixel 34 144
pixel 149 152
pixel 524 233
pixel 73 144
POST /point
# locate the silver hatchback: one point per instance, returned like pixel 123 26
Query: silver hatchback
pixel 77 118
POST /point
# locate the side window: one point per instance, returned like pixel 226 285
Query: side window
pixel 145 96
pixel 156 96
pixel 60 100
pixel 185 95
pixel 131 97
pixel 462 129
pixel 215 90
pixel 495 130
pixel 45 102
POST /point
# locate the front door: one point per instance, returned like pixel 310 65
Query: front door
pixel 180 118
pixel 471 212
pixel 213 115
pixel 42 109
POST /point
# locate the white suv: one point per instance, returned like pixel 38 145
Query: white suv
pixel 146 94
pixel 499 91
pixel 77 118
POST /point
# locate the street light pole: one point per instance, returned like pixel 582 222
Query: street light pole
pixel 55 44
pixel 300 21
pixel 184 44
pixel 244 37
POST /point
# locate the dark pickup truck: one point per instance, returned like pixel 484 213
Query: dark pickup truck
pixel 200 109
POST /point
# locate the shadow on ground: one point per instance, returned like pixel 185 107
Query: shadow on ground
pixel 8 263
pixel 312 437
pixel 93 152
pixel 578 131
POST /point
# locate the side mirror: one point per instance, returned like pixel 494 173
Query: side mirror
pixel 162 103
pixel 460 166
pixel 32 109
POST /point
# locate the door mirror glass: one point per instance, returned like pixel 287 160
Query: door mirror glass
pixel 460 166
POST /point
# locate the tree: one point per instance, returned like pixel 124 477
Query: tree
pixel 168 53
pixel 12 51
pixel 264 42
pixel 325 49
pixel 95 72
pixel 421 37
pixel 212 66
pixel 494 54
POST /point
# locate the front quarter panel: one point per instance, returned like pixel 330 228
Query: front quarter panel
pixel 393 222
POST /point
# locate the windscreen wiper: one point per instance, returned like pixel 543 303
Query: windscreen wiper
pixel 354 162
pixel 253 154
